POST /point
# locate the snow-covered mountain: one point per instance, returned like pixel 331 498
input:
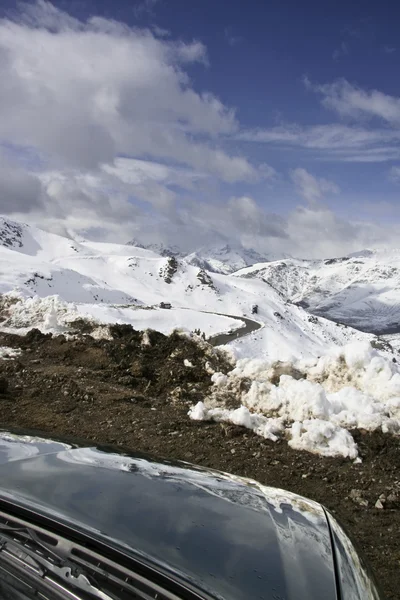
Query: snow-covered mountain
pixel 361 290
pixel 225 258
pixel 58 280
pixel 160 249
pixel 221 258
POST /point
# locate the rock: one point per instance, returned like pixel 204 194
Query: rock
pixel 3 385
pixel 378 504
pixel 356 496
pixel 137 369
pixel 393 498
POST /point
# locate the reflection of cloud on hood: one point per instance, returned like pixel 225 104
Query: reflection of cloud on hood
pixel 18 447
pixel 232 488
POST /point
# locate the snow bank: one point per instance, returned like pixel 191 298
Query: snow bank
pixel 164 321
pixel 49 314
pixel 7 353
pixel 314 403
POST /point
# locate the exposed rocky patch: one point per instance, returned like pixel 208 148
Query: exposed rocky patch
pixel 205 279
pixel 169 269
pixel 10 234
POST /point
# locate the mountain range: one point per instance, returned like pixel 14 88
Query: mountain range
pixel 56 279
pixel 361 290
pixel 219 258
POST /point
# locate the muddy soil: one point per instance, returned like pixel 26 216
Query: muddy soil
pixel 121 391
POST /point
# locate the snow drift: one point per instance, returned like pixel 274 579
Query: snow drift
pixel 314 403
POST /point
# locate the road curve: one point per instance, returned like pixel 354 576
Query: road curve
pixel 226 338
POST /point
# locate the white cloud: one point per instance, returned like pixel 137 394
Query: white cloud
pixel 19 191
pixel 82 93
pixel 340 51
pixel 351 100
pixel 312 188
pixel 145 6
pixel 231 38
pixel 316 232
pixel 394 174
pixel 337 142
pixel 79 98
pixel 138 172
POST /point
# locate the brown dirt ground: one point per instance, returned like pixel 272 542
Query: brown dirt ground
pixel 121 392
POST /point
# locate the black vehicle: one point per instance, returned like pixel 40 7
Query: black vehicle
pixel 80 522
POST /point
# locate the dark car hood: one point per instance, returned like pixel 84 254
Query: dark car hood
pixel 227 535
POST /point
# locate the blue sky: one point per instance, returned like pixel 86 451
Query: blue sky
pixel 266 122
pixel 261 51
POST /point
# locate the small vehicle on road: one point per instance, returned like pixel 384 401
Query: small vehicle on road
pixel 83 522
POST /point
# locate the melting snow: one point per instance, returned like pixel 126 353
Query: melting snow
pixel 9 353
pixel 313 403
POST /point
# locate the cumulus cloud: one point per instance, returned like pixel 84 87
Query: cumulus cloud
pixel 19 191
pixel 312 188
pixel 313 231
pixel 110 138
pixel 85 92
pixel 316 232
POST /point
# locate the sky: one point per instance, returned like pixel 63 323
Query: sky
pixel 275 125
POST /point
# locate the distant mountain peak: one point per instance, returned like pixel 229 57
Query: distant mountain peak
pixel 158 248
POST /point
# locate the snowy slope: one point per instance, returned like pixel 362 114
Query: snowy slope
pixel 115 283
pixel 361 290
pixel 225 258
pixel 160 249
pixel 220 258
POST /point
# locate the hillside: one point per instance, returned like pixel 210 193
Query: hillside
pixel 218 258
pixel 58 280
pixel 362 290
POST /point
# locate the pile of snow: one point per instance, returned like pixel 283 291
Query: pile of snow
pixel 164 321
pixel 52 315
pixel 49 314
pixel 7 353
pixel 314 403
